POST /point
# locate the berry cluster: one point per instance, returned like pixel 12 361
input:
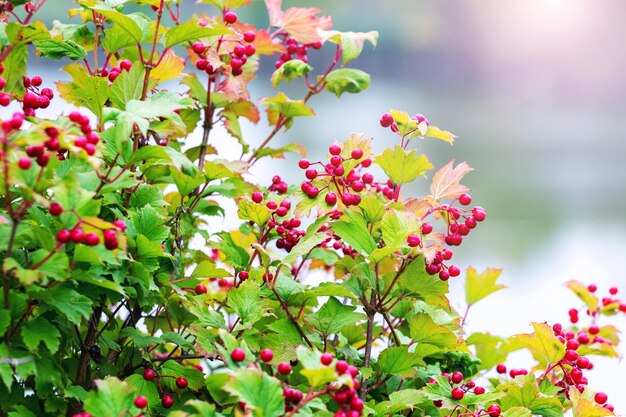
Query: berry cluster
pixel 295 50
pixel 288 233
pixel 350 405
pixel 77 234
pixel 124 65
pixel 237 57
pixel 91 138
pixel 460 388
pixel 332 174
pixel 456 231
pixel 167 401
pixel 501 369
pixel 34 98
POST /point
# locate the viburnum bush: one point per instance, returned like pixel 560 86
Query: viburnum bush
pixel 121 296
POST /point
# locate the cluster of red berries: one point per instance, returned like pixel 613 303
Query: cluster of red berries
pixel 334 173
pixel 167 401
pixel 77 234
pixel 5 98
pixel 237 57
pixel 461 388
pixel 295 50
pixel 34 98
pixel 124 65
pixel 40 152
pixel 278 185
pixel 350 405
pixel 454 237
pixel 287 229
pixel 387 121
pixel 91 138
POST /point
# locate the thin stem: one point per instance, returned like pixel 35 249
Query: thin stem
pixel 369 341
pixel 394 335
pixel 291 317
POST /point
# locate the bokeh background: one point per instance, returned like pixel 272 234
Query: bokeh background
pixel 536 92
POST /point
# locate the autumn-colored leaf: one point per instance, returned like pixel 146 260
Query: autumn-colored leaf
pixel 542 344
pixel 170 67
pixel 446 182
pixel 583 293
pixel 479 286
pixel 301 23
pixel 583 404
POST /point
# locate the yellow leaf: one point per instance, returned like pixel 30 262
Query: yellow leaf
pixel 170 67
pixel 542 344
pixel 583 405
pixel 479 286
pixel 583 293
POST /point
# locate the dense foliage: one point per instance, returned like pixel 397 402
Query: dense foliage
pixel 120 297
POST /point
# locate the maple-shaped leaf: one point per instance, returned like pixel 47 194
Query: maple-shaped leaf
pixel 446 181
pixel 170 66
pixel 479 286
pixel 583 404
pixel 542 344
pixel 301 23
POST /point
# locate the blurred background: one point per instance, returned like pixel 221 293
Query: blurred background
pixel 536 92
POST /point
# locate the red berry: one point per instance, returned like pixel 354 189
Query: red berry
pixel 413 240
pixel 572 344
pixel 458 394
pixel 334 149
pixel 149 374
pixel 244 275
pixel 249 36
pixel 479 390
pixel 167 401
pixel 341 367
pixel 479 214
pixel 501 368
pixel 55 209
pixel 36 81
pixel 326 358
pixel 592 288
pixel 24 163
pixel 271 205
pixel 141 402
pixel 200 289
pixel 266 355
pixel 182 382
pixel 426 228
pixel 91 239
pixel 230 17
pixel 386 120
pixel 454 270
pixel 257 197
pixel 357 153
pixel 465 199
pixel 366 162
pixel 457 377
pixel 238 355
pixel 304 164
pixel 63 236
pixel 90 148
pixel 284 368
pixel 331 199
pixel 250 50
pixel 594 329
pixel 601 397
pixel 494 410
pixel 613 290
pixel 571 355
pixel 125 64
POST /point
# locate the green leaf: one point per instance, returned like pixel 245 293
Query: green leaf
pixel 194 377
pixel 403 166
pixel 396 227
pixel 347 80
pixel 92 93
pixel 57 49
pixel 313 370
pixel 115 38
pixel 283 106
pixel 190 31
pixel 262 393
pixel 140 339
pixel 304 246
pixel 113 398
pixel 436 133
pixel 351 42
pixel 479 286
pixel 423 329
pixel 124 22
pixel 68 302
pixel 517 412
pixel 15 69
pixel 397 361
pixel 5 320
pixel 353 229
pixel 524 392
pixel 333 316
pixel 127 86
pixel 488 349
pixel 146 388
pixel 542 344
pixel 290 70
pixel 249 210
pixel 245 300
pixel 41 330
pixel 429 288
